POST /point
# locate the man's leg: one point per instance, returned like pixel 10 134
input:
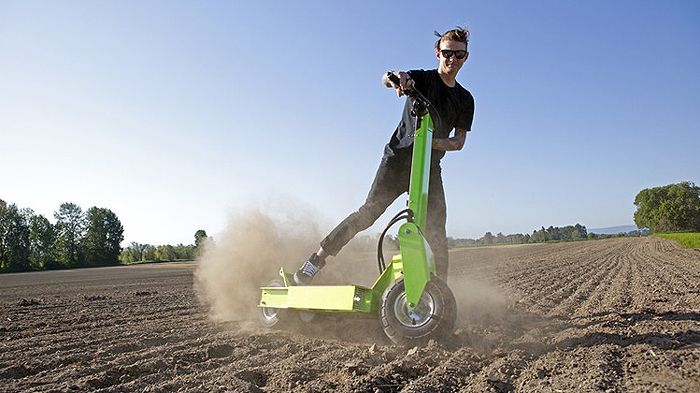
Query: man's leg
pixel 437 218
pixel 390 181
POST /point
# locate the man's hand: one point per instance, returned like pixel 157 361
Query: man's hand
pixel 405 82
pixel 451 144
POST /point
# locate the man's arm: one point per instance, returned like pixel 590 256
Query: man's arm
pixel 451 144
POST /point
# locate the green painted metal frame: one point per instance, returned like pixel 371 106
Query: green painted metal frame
pixel 415 252
pixel 415 263
pixel 420 171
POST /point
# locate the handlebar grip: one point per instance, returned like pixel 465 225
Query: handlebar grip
pixel 393 78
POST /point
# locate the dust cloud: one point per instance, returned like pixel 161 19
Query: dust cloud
pixel 247 255
pixel 255 244
pixel 489 317
pixel 478 301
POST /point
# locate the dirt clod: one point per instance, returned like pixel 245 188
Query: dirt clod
pixel 145 293
pixel 29 302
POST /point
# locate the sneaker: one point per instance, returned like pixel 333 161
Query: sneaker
pixel 308 270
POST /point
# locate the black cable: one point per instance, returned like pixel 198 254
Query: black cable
pixel 380 253
pixel 403 214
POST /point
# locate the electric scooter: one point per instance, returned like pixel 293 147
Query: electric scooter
pixel 412 303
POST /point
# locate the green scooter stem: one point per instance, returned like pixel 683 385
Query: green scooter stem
pixel 416 255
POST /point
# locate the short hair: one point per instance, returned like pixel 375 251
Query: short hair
pixel 460 34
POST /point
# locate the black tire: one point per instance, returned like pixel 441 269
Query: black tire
pixel 452 305
pixel 435 316
pixel 272 317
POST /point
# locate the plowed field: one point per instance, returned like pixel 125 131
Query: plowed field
pixel 612 315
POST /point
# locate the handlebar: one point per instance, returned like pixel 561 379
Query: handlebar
pixel 421 104
pixel 393 78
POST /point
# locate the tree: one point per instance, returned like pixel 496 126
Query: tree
pixel 539 235
pixel 165 253
pixel 185 253
pixel 133 253
pixel 103 235
pixel 579 232
pixel 500 238
pixel 14 239
pixel 674 207
pixel 199 238
pixel 149 253
pixel 3 246
pixel 70 227
pixel 114 236
pixel 41 242
pixel 488 238
pixel 139 251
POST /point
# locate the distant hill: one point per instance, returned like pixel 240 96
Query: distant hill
pixel 613 230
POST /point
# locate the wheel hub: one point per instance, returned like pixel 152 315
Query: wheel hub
pixel 269 313
pixel 417 317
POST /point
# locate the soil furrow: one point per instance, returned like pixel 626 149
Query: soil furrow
pixel 613 315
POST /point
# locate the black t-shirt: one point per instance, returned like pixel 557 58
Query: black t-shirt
pixel 452 107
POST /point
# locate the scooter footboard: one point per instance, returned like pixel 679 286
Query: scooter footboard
pixel 341 298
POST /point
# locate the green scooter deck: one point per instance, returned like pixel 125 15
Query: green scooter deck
pixel 340 298
pixel 331 298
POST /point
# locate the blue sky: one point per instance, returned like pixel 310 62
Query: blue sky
pixel 177 115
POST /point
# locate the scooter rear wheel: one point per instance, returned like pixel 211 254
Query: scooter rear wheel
pixel 434 317
pixel 272 317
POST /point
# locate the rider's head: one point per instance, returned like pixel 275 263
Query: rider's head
pixel 450 47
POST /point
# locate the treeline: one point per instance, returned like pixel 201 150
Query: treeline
pixel 29 241
pixel 635 233
pixel 542 235
pixel 567 233
pixel 138 253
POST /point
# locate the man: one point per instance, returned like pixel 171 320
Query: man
pixel 452 108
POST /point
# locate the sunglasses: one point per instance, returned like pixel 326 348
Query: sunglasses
pixel 447 53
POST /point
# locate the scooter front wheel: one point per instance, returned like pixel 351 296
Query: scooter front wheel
pixel 433 317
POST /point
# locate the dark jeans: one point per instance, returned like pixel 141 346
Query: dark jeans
pixel 392 180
